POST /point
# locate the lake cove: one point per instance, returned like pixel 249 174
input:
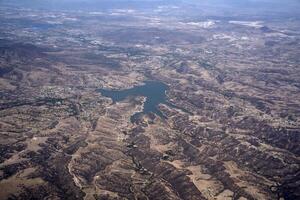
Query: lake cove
pixel 154 91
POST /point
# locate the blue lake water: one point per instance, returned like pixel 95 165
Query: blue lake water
pixel 154 91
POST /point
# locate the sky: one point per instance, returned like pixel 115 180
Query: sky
pixel 271 5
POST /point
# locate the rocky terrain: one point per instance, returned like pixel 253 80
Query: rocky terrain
pixel 233 131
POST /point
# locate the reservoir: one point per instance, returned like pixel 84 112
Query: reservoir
pixel 154 91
